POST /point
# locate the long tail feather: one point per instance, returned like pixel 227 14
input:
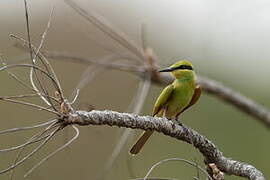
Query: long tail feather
pixel 140 142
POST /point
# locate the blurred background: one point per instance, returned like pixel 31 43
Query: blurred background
pixel 227 41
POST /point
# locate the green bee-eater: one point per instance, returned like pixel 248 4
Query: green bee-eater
pixel 175 98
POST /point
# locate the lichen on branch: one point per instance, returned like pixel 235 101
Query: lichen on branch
pixel 208 149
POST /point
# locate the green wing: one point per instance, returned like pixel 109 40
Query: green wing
pixel 195 97
pixel 162 99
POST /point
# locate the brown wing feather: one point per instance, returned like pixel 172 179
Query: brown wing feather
pixel 195 97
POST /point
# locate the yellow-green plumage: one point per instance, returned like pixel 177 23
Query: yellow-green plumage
pixel 175 98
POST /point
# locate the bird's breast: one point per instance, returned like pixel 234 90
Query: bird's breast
pixel 180 98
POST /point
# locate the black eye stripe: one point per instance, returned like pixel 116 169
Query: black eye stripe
pixel 183 67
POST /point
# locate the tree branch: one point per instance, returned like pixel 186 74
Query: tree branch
pixel 184 133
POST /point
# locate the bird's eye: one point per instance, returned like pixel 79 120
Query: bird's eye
pixel 184 67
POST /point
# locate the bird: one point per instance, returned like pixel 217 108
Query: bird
pixel 174 99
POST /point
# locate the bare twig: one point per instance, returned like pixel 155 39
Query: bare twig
pixel 33 139
pixel 24 144
pixel 56 151
pixel 76 95
pixel 23 96
pixel 108 29
pixel 28 30
pixel 176 159
pixel 32 153
pixel 86 77
pixel 48 68
pixel 99 61
pixel 210 152
pixel 36 138
pixel 33 71
pixel 39 72
pixel 32 66
pixel 236 99
pixel 15 77
pixel 137 101
pixel 27 127
pixel 31 105
pixel 43 35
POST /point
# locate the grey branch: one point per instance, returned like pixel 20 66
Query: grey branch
pixel 206 147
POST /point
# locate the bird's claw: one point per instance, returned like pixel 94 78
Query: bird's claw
pixel 173 125
pixel 179 123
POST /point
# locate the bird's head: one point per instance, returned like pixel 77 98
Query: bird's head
pixel 180 69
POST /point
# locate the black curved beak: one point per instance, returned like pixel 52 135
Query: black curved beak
pixel 166 70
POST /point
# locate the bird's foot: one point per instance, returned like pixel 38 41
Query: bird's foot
pixel 178 121
pixel 173 125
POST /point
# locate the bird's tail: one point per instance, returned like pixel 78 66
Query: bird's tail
pixel 140 142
